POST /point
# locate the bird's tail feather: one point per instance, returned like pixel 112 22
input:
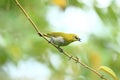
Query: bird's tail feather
pixel 46 35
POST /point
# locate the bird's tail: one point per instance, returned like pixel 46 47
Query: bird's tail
pixel 46 35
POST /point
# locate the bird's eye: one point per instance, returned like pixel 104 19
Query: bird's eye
pixel 77 38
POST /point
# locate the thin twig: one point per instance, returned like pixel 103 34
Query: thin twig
pixel 59 49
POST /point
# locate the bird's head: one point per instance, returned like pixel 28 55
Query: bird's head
pixel 72 37
pixel 75 37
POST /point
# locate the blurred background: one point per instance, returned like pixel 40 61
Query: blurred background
pixel 26 56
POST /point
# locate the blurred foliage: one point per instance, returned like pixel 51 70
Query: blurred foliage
pixel 21 42
pixel 3 56
pixel 75 3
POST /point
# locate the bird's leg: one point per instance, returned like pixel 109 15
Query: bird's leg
pixel 60 49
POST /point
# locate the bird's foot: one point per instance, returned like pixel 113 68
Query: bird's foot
pixel 60 49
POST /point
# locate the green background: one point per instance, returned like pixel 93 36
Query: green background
pixel 19 41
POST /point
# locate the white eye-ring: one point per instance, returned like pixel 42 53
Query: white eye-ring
pixel 77 38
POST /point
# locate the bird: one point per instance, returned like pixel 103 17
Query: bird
pixel 61 38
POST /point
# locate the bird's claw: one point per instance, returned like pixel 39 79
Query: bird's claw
pixel 60 49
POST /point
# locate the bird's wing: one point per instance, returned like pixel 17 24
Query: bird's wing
pixel 54 34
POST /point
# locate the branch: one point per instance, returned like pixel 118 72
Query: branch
pixel 76 59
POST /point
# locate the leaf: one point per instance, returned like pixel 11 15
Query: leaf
pixel 61 3
pixel 15 53
pixel 109 71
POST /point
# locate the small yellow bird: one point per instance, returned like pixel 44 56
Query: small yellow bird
pixel 62 39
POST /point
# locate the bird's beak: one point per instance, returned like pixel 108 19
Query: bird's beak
pixel 79 39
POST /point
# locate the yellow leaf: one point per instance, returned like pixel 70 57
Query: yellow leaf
pixel 61 3
pixel 15 52
pixel 109 71
pixel 95 59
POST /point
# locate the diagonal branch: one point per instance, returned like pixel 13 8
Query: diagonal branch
pixel 59 49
